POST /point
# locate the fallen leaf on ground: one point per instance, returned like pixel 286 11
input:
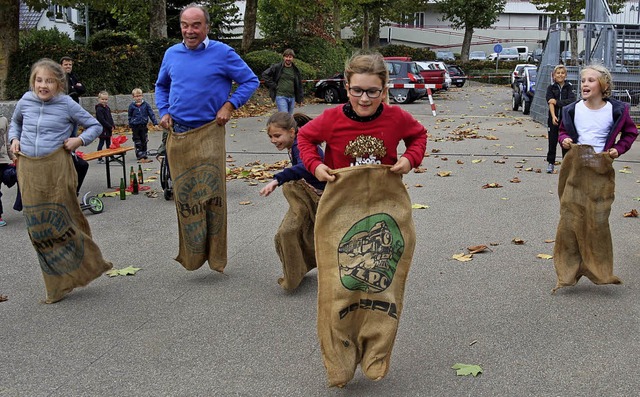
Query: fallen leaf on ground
pixel 515 180
pixel 631 214
pixel 151 194
pixel 544 256
pixel 108 194
pixel 417 185
pixel 517 241
pixel 462 257
pixel 419 170
pixel 494 244
pixel 244 202
pixel 477 248
pixel 550 240
pixel 459 161
pixel 499 161
pixel 491 185
pixel 419 206
pixel 476 161
pixel 444 173
pixel 127 271
pixel 3 298
pixel 467 369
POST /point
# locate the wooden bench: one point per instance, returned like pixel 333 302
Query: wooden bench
pixel 111 155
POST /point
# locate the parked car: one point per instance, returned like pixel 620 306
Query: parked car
pixel 535 56
pixel 517 72
pixel 402 72
pixel 458 77
pixel 445 56
pixel 432 76
pixel 523 52
pixel 507 54
pixel 438 65
pixel 332 90
pixel 477 56
pixel 524 90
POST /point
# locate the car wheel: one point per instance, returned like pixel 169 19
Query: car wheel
pixel 400 96
pixel 526 106
pixel 459 84
pixel 515 101
pixel 331 95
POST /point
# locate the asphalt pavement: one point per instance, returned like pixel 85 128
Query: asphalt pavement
pixel 169 332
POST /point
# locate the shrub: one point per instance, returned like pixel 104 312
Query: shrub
pixel 260 60
pixel 326 57
pixel 416 54
pixel 108 38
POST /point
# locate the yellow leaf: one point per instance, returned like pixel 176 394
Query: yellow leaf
pixel 626 171
pixel 245 202
pixel 419 206
pixel 462 257
pixel 444 173
pixel 476 161
pixel 544 256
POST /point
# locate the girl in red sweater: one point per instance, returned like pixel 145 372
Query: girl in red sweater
pixel 366 130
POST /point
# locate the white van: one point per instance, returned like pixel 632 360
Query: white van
pixel 523 52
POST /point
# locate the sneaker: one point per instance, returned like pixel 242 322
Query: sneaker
pixel 550 168
pixel 100 161
pixel 2 223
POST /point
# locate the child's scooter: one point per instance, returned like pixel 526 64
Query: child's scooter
pixel 91 203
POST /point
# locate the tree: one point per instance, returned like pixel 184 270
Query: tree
pixel 470 15
pixel 9 15
pixel 574 11
pixel 250 19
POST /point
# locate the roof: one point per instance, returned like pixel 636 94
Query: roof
pixel 28 18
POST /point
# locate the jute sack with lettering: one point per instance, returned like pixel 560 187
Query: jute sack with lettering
pixel 294 238
pixel 198 171
pixel 58 230
pixel 365 239
pixel 583 245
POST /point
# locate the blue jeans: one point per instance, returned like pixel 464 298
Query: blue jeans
pixel 285 104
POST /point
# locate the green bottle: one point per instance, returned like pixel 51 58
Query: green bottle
pixel 140 175
pixel 132 176
pixel 135 185
pixel 123 193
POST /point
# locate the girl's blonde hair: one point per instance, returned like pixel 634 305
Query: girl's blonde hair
pixel 286 121
pixel 605 80
pixel 367 64
pixel 55 69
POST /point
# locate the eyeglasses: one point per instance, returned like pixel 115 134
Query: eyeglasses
pixel 372 93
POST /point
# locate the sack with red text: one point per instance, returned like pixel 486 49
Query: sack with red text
pixel 583 245
pixel 58 230
pixel 365 239
pixel 198 171
pixel 294 239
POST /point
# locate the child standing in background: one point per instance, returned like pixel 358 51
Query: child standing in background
pixel 139 114
pixel 103 114
pixel 294 239
pixel 7 167
pixel 559 93
pixel 594 131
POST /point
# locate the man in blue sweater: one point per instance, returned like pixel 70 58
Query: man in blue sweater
pixel 195 77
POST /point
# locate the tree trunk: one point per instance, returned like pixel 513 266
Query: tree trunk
pixel 375 30
pixel 336 20
pixel 158 19
pixel 365 29
pixel 249 32
pixel 9 28
pixel 466 44
pixel 573 45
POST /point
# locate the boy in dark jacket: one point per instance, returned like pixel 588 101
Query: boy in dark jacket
pixel 103 114
pixel 139 114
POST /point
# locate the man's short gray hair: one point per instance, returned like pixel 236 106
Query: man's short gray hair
pixel 204 10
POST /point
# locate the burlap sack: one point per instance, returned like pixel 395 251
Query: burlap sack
pixel 198 172
pixel 294 239
pixel 365 239
pixel 583 244
pixel 57 228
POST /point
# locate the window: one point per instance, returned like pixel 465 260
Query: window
pixel 543 22
pixel 419 19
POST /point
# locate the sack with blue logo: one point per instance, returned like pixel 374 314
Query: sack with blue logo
pixel 364 238
pixel 59 232
pixel 198 171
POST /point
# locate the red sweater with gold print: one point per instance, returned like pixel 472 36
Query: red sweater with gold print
pixel 341 128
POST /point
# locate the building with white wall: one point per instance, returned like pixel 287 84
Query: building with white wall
pixel 54 16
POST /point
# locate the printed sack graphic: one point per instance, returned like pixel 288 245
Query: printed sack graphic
pixel 365 238
pixel 294 238
pixel 58 230
pixel 583 244
pixel 198 170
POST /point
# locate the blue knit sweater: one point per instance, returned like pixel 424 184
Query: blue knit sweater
pixel 193 85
